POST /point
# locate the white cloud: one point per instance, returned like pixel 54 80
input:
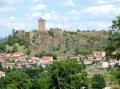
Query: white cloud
pixel 57 25
pixel 5 22
pixel 12 18
pixel 18 25
pixel 90 25
pixel 2 23
pixel 35 1
pixel 94 25
pixel 38 6
pixel 102 10
pixel 104 2
pixel 6 9
pixel 74 12
pixel 51 16
pixel 11 2
pixel 35 14
pixel 101 1
pixel 13 22
pixel 69 3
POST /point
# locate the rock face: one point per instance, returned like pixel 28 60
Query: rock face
pixel 67 42
pixel 46 43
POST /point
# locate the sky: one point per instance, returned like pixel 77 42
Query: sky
pixel 66 14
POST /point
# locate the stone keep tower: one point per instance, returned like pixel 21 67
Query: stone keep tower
pixel 41 24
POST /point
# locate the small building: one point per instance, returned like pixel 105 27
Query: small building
pixel 99 55
pixel 113 62
pixel 90 57
pixel 35 59
pixel 88 62
pixel 45 60
pixel 7 65
pixel 105 64
pixel 18 66
pixel 60 58
pixel 2 74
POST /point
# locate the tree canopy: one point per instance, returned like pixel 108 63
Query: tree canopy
pixel 97 82
pixel 68 75
pixel 114 39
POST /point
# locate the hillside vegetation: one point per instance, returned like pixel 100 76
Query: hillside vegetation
pixel 13 44
pixel 67 43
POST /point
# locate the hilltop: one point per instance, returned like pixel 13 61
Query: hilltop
pixel 54 41
pixel 69 43
pixel 57 42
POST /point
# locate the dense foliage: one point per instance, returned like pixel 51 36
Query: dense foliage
pixel 114 39
pixel 67 74
pixel 2 47
pixel 98 82
pixel 115 74
pixel 10 41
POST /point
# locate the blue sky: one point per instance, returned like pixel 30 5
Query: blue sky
pixel 66 14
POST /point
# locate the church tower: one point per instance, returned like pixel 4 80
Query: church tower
pixel 41 24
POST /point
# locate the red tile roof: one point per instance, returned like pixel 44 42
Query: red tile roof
pixel 35 58
pixel 45 58
pixel 12 57
pixel 2 56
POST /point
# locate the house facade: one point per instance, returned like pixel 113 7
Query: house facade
pixel 98 55
pixel 2 74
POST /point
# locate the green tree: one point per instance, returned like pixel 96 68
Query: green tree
pixel 14 49
pixel 8 70
pixel 82 51
pixel 77 51
pixel 40 54
pixel 97 82
pixel 1 67
pixel 65 74
pixel 11 86
pixel 114 39
pixel 115 74
pixel 2 46
pixel 42 82
pixel 3 81
pixel 31 72
pixel 51 31
pixel 12 39
pixel 20 79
